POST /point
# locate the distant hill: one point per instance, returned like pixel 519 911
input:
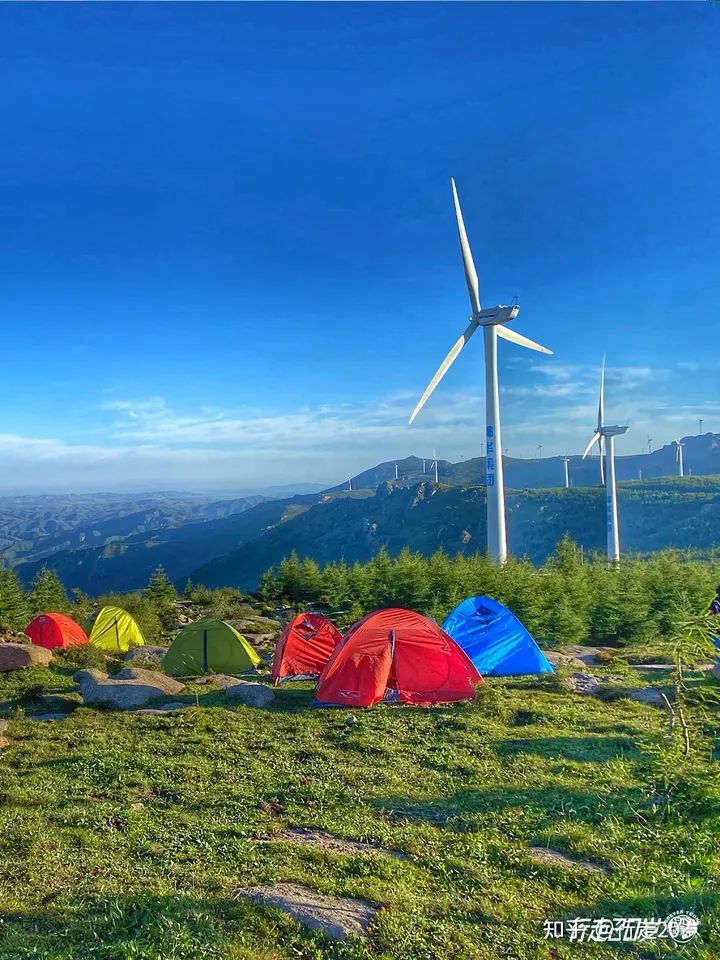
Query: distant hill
pixel 105 542
pixel 701 457
pixel 654 514
pixel 126 564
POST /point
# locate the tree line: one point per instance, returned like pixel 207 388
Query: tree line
pixel 568 599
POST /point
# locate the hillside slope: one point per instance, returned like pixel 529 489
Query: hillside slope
pixel 655 514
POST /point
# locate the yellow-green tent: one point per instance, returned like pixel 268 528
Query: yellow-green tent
pixel 115 630
pixel 209 645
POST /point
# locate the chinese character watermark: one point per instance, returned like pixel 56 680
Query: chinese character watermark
pixel 679 927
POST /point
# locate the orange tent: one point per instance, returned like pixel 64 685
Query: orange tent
pixel 54 630
pixel 306 645
pixel 396 655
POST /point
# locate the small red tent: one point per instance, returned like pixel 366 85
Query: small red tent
pixel 53 630
pixel 396 655
pixel 306 645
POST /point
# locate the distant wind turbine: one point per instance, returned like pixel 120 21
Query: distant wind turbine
pixel 679 457
pixel 350 484
pixel 396 472
pixel 539 451
pixel 608 434
pixel 649 444
pixel 493 321
pixel 434 465
pixel 700 421
pixel 566 461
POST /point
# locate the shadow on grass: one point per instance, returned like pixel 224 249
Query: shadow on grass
pixel 151 927
pixel 572 748
pixel 460 811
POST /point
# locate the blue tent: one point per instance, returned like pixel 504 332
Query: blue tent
pixel 494 639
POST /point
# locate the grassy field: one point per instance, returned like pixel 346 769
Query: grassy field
pixel 126 836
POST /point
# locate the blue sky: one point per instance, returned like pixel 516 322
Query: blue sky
pixel 228 249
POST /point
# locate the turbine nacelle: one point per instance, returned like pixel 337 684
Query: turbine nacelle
pixel 612 431
pixel 491 316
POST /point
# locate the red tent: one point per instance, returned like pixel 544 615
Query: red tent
pixel 53 630
pixel 396 655
pixel 304 648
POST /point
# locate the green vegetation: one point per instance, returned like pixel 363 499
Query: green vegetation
pixel 568 599
pixel 126 837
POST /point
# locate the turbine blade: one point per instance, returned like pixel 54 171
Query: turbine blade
pixel 601 403
pixel 514 337
pixel 602 460
pixel 471 277
pixel 444 367
pixel 596 437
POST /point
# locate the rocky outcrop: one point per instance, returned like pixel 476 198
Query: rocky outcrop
pixel 127 690
pixel 146 652
pixel 251 694
pixel 337 917
pixel 17 656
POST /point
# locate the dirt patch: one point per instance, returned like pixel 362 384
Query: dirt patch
pixel 588 683
pixel 326 841
pixel 587 655
pixel 555 858
pixel 337 917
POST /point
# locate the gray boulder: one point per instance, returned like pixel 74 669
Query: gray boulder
pixel 337 917
pixel 147 652
pixel 129 689
pixel 16 656
pixel 251 694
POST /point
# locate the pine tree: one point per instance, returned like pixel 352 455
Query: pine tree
pixel 162 594
pixel 14 608
pixel 47 594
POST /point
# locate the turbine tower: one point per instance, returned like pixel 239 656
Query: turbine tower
pixel 492 320
pixel 434 465
pixel 396 472
pixel 679 457
pixel 700 421
pixel 350 484
pixel 566 461
pixel 539 451
pixel 649 444
pixel 608 434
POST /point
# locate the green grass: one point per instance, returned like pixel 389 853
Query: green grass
pixel 124 837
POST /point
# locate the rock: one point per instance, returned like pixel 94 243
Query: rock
pixel 326 841
pixel 42 717
pixel 337 917
pixel 557 859
pixel 4 724
pixel 128 689
pixel 221 680
pixel 563 659
pixel 163 708
pixel 587 683
pixel 352 721
pixel 16 656
pixel 649 695
pixel 146 652
pixel 586 655
pixel 251 694
pixel 4 743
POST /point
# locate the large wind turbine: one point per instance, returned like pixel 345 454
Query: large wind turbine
pixel 493 321
pixel 608 434
pixel 434 466
pixel 566 461
pixel 679 457
pixel 601 420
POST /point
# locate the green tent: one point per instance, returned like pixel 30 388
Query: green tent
pixel 209 646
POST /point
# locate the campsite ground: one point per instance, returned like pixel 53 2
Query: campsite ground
pixel 126 836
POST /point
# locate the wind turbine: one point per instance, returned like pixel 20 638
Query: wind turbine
pixel 350 484
pixel 434 465
pixel 492 320
pixel 539 451
pixel 679 457
pixel 649 444
pixel 608 434
pixel 396 472
pixel 566 461
pixel 700 421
